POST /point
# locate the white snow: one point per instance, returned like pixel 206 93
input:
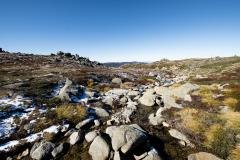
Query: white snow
pixel 8 145
pixel 52 129
pixel 30 138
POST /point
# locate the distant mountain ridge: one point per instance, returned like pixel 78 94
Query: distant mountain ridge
pixel 119 64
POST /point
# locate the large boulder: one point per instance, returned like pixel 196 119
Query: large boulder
pixel 148 98
pixel 203 156
pixel 41 150
pixel 63 94
pixel 76 137
pixel 117 80
pixel 126 137
pixel 99 149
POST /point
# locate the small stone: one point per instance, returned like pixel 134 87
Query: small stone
pixel 89 137
pixel 117 80
pixel 75 137
pixel 100 112
pixel 97 123
pixel 68 133
pixel 84 123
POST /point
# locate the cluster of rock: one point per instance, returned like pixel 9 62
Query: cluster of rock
pixel 167 79
pixel 124 140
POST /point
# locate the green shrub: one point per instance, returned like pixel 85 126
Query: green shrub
pixel 55 101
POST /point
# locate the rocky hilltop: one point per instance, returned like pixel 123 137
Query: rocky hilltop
pixel 67 107
pixel 60 59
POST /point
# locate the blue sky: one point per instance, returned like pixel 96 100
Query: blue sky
pixel 122 30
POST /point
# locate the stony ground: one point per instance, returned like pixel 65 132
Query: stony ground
pixel 66 107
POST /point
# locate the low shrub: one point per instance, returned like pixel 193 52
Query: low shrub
pixel 73 113
pixel 220 140
pixel 41 124
pixel 53 102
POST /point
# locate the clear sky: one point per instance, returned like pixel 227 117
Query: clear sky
pixel 122 30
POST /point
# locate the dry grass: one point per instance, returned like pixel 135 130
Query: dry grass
pixel 235 154
pixel 189 117
pixel 49 136
pixel 232 119
pixel 231 102
pixel 207 92
pixel 210 134
pixel 90 83
pixel 73 113
pixel 220 140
